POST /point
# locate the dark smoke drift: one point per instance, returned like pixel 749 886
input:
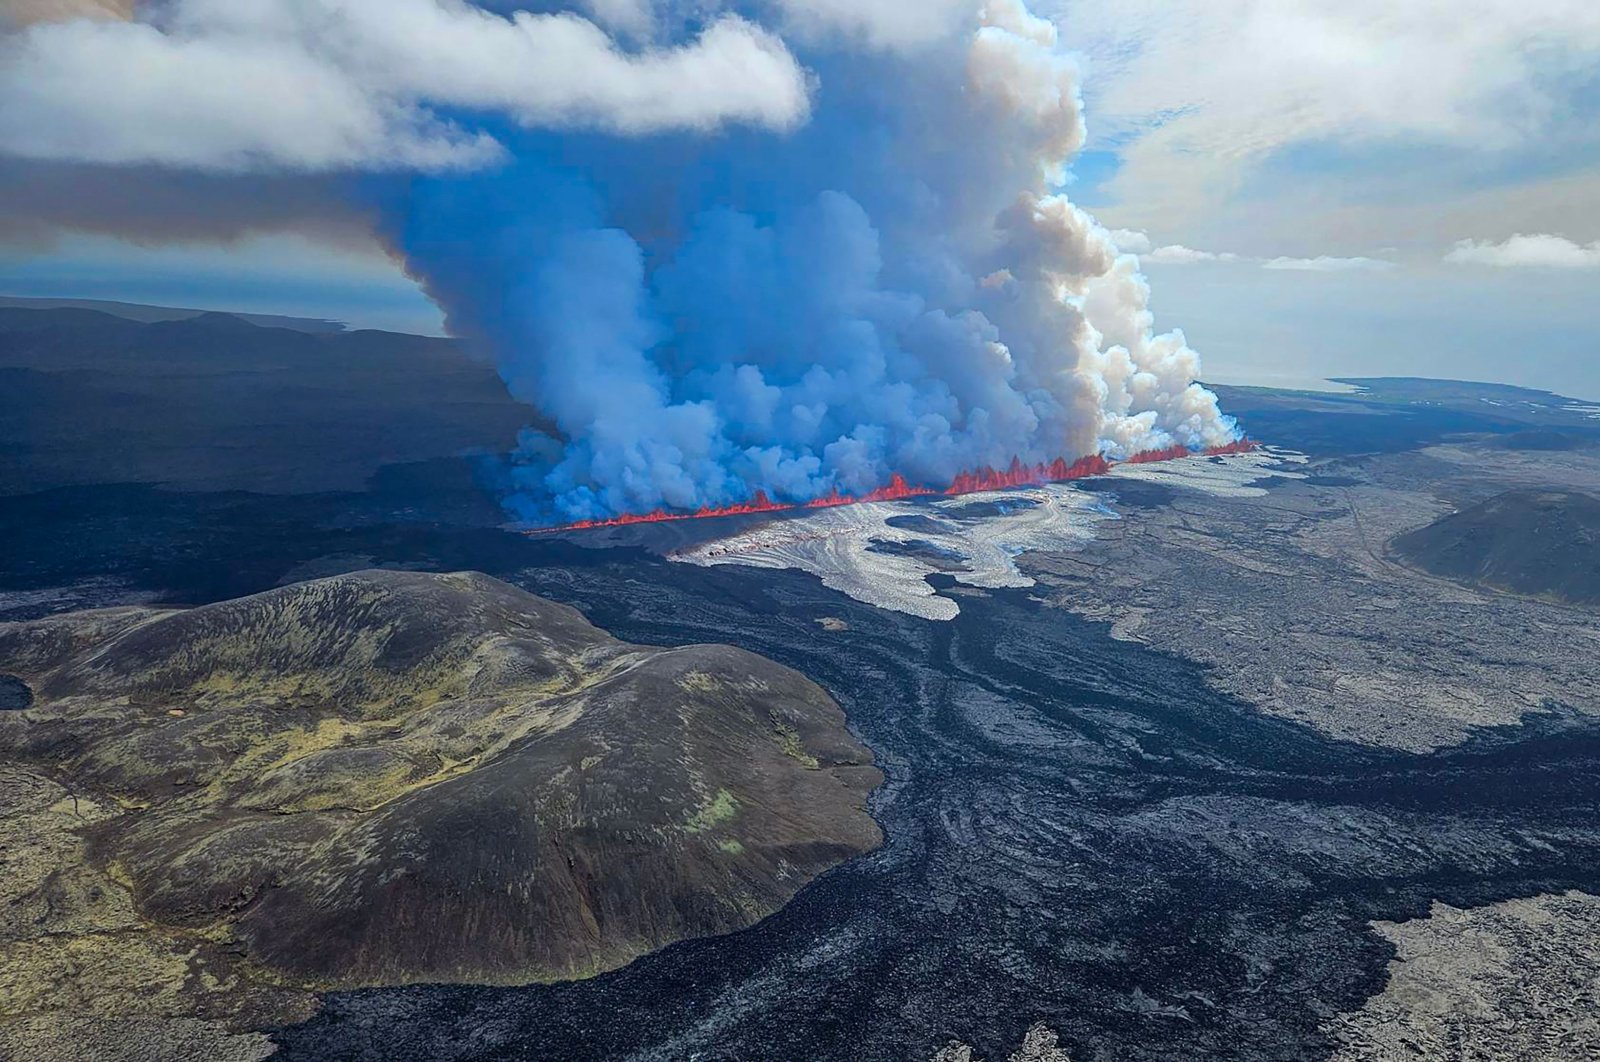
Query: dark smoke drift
pixel 878 302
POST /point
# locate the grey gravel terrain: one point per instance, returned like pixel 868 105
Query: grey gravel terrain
pixel 1294 601
pixel 1514 980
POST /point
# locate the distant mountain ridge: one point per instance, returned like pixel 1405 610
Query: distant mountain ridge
pixel 214 402
pixel 133 311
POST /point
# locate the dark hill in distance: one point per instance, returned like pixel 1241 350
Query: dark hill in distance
pixel 1542 543
pixel 214 402
pixel 1543 440
pixel 386 778
pixel 134 311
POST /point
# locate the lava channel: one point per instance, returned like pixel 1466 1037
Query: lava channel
pixel 977 481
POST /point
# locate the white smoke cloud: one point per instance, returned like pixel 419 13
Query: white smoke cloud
pixel 1541 251
pixel 887 305
pixel 795 292
pixel 335 84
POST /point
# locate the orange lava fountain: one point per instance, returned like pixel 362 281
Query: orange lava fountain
pixel 974 482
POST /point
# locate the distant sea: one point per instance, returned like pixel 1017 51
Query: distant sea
pixel 1282 381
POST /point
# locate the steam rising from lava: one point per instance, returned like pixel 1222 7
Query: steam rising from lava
pixel 764 318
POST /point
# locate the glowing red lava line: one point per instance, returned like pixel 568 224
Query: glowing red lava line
pixel 974 482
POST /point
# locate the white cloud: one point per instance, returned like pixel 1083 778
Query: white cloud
pixel 1541 251
pixel 331 84
pixel 1131 241
pixel 1327 264
pixel 1178 254
pixel 1194 94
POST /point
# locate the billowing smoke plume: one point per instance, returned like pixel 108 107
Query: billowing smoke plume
pixel 780 246
pixel 893 288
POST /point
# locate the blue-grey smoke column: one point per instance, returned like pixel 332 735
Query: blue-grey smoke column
pixel 896 285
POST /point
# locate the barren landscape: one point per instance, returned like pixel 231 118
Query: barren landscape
pixel 1184 759
pixel 799 531
pixel 1518 979
pixel 1294 601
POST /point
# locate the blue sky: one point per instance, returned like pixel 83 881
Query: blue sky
pixel 1354 146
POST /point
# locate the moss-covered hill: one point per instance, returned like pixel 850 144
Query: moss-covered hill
pixel 391 777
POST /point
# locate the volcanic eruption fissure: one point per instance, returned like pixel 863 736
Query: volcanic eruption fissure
pixel 883 299
pixel 976 482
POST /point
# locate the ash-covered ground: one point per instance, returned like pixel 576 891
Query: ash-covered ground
pixel 1108 835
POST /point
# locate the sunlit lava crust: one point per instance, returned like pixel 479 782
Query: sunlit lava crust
pixel 977 481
